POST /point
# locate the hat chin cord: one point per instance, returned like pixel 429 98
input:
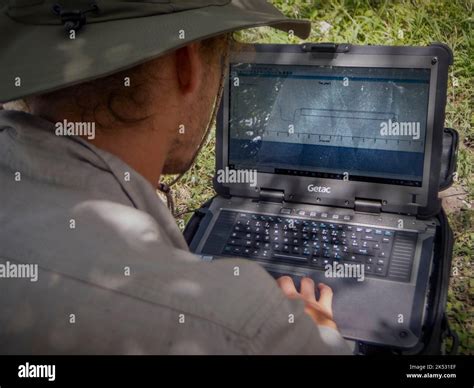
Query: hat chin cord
pixel 74 19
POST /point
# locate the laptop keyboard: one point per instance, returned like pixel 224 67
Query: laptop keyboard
pixel 310 243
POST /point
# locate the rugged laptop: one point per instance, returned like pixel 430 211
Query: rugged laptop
pixel 328 165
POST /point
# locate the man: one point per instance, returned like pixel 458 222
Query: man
pixel 118 97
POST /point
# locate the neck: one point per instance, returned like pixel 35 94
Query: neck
pixel 143 145
pixel 138 147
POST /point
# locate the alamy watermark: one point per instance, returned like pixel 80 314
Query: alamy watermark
pixel 28 370
pixel 75 128
pixel 21 271
pixel 337 270
pixel 400 128
pixel 228 175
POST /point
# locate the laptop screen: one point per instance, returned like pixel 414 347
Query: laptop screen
pixel 352 123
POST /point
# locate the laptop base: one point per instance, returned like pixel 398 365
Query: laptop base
pixel 360 306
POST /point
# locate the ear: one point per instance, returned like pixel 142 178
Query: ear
pixel 189 68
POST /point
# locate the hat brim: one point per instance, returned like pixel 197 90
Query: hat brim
pixel 40 58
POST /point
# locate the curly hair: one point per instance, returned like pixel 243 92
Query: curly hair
pixel 107 102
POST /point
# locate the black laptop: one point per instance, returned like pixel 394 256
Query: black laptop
pixel 327 166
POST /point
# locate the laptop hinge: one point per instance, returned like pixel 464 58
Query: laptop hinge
pixel 271 195
pixel 320 47
pixel 367 206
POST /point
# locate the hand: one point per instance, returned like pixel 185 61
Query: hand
pixel 319 310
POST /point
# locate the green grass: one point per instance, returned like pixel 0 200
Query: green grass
pixel 389 23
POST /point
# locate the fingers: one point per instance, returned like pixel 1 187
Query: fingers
pixel 325 297
pixel 307 290
pixel 319 310
pixel 287 286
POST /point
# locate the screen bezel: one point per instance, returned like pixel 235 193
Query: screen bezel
pixel 406 199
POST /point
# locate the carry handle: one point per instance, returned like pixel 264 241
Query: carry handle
pixel 448 158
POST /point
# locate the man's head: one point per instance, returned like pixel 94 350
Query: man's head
pixel 154 115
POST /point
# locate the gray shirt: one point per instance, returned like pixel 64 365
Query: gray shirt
pixel 115 275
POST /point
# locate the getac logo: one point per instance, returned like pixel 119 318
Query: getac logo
pixel 319 189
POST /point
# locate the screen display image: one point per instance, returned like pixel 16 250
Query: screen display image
pixel 365 124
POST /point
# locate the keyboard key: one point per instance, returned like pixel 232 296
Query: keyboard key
pixel 355 258
pixel 290 258
pixel 379 270
pixel 306 242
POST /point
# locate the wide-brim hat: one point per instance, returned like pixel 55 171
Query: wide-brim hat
pixel 37 53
